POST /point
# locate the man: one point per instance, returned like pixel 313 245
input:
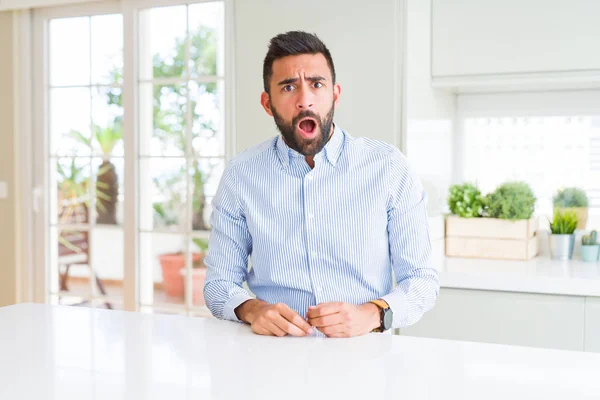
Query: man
pixel 324 216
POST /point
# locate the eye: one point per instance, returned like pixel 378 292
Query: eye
pixel 288 88
pixel 318 85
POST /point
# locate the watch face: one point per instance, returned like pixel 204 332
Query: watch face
pixel 388 317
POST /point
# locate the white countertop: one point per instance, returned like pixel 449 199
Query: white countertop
pixel 539 275
pixel 64 353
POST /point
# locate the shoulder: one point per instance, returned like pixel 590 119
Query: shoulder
pixel 373 148
pixel 255 153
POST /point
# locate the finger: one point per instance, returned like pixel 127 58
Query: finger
pixel 276 330
pixel 294 318
pixel 324 309
pixel 327 320
pixel 288 327
pixel 261 330
pixel 334 329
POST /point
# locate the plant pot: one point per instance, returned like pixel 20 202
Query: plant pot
pixel 561 246
pixel 198 279
pixel 171 265
pixel 589 253
pixel 582 215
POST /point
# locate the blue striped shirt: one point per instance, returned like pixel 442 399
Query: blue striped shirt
pixel 342 231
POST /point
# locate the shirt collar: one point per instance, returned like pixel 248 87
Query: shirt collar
pixel 332 149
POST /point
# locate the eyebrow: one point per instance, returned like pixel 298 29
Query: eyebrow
pixel 308 78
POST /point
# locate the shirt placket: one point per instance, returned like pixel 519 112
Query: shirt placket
pixel 310 220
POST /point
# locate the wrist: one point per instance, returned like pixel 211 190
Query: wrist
pixel 373 314
pixel 247 310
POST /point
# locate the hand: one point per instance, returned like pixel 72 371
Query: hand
pixel 272 319
pixel 343 319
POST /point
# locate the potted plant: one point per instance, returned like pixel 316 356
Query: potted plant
pixel 562 238
pixel 589 247
pixel 499 225
pixel 573 199
pixel 198 271
pixel 466 201
pixel 512 201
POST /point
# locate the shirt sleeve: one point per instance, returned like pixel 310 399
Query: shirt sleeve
pixel 410 245
pixel 229 247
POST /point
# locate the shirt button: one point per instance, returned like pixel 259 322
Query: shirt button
pixel 319 289
pixel 310 215
pixel 309 177
pixel 314 253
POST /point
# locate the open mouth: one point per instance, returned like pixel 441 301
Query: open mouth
pixel 307 127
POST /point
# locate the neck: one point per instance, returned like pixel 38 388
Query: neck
pixel 310 160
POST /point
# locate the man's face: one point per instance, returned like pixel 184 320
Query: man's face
pixel 302 100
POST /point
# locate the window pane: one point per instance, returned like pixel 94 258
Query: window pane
pixel 206 174
pixel 70 122
pixel 69 43
pixel 199 248
pixel 162 119
pixel 72 179
pixel 528 148
pixel 162 265
pixel 107 120
pixel 163 193
pixel 107 49
pixel 207 128
pixel 206 21
pixel 162 34
pixel 109 175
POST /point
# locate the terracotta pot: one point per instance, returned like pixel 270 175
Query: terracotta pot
pixel 198 279
pixel 171 265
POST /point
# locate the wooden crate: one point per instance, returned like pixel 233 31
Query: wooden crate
pixel 491 238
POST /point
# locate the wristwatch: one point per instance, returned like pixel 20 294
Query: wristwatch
pixel 386 315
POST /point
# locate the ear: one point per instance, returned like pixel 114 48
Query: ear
pixel 337 91
pixel 266 103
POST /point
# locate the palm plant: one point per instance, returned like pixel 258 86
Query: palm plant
pixel 107 181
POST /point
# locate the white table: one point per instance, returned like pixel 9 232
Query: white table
pixel 50 352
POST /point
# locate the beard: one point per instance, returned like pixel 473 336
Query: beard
pixel 306 147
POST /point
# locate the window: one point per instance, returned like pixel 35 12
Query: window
pixel 548 152
pixel 181 144
pixel 178 144
pixel 549 139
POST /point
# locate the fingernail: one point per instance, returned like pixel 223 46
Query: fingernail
pixel 310 331
pixel 311 307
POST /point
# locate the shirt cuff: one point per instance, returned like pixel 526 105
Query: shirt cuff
pixel 397 303
pixel 233 303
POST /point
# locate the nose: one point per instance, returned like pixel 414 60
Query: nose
pixel 305 100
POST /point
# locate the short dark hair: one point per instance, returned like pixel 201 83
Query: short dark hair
pixel 291 44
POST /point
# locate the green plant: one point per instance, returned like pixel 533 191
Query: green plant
pixel 570 197
pixel 589 240
pixel 466 200
pixel 511 200
pixel 564 222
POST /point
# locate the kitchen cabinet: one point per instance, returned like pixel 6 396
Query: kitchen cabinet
pixel 514 41
pixel 526 319
pixel 592 324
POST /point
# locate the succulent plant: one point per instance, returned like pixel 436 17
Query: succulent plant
pixel 466 201
pixel 564 222
pixel 589 240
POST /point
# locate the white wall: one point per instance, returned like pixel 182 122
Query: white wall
pixel 362 40
pixel 430 113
